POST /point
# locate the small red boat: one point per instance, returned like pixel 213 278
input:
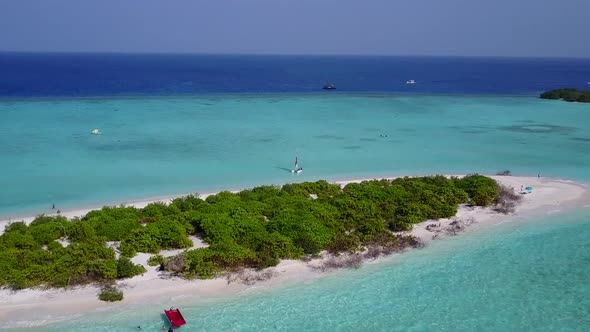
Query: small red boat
pixel 175 317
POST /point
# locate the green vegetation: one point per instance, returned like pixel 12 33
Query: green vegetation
pixel 253 228
pixel 110 294
pixel 126 268
pixel 156 260
pixel 568 95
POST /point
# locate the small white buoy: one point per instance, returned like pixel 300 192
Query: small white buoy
pixel 96 132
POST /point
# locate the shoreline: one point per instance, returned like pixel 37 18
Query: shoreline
pixel 143 202
pixel 81 212
pixel 47 306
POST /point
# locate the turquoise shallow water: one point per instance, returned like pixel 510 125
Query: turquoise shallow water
pixel 521 276
pixel 161 146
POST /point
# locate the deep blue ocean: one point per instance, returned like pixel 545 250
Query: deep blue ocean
pixel 175 124
pixel 82 75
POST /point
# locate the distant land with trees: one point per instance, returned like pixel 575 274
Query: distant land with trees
pixel 567 95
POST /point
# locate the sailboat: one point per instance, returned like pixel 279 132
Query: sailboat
pixel 297 169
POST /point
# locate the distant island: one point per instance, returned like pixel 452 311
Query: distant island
pixel 567 95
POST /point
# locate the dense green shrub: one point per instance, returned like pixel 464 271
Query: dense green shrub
pixel 481 190
pixel 322 189
pixel 46 229
pixel 156 260
pixel 81 231
pixel 126 268
pixel 189 203
pixel 18 227
pixel 399 224
pixel 141 240
pixel 170 234
pixel 199 263
pixel 277 245
pixel 110 294
pixel 113 223
pixel 345 243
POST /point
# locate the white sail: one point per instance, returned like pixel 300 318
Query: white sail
pixel 297 169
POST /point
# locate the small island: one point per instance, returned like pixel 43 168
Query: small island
pixel 253 228
pixel 152 251
pixel 570 95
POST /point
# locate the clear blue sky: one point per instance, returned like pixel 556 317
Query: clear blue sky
pixel 381 27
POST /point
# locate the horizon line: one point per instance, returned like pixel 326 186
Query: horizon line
pixel 298 54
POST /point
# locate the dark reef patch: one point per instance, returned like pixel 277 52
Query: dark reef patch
pixel 329 137
pixel 538 129
pixel 580 139
pixel 470 129
pixel 407 130
pixel 473 131
pixel 266 139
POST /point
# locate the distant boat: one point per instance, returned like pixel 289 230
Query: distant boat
pixel 96 132
pixel 175 317
pixel 411 82
pixel 329 86
pixel 297 169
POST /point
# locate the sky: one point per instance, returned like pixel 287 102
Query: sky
pixel 540 28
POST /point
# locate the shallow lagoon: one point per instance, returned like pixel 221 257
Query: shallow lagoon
pixel 174 145
pixel 519 277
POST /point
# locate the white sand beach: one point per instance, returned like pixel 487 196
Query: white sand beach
pixel 34 306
